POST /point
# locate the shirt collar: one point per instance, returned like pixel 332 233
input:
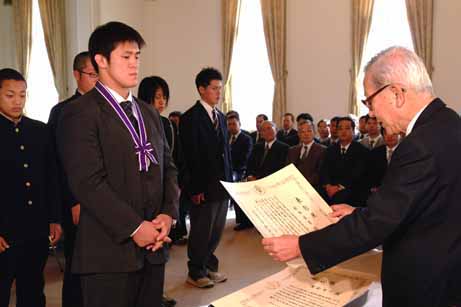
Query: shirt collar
pixel 347 146
pixel 10 120
pixel 393 148
pixel 208 108
pixel 375 139
pixel 413 121
pixel 269 144
pixel 308 145
pixel 117 96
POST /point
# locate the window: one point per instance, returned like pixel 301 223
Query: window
pixel 41 91
pixel 252 82
pixel 389 27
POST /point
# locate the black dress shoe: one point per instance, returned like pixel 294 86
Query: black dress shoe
pixel 168 301
pixel 240 227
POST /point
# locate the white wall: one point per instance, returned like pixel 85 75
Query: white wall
pixel 447 52
pixel 184 36
pixel 319 57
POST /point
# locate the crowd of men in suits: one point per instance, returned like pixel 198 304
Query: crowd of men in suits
pixel 118 207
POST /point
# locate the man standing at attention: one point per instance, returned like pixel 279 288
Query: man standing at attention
pixel 415 212
pixel 205 143
pixel 120 169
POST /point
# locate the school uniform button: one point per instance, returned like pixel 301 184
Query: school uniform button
pixel 29 203
pixel 28 184
pixel 16 130
pixel 26 165
pixel 21 147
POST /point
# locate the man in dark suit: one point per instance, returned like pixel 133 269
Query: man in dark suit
pixel 362 128
pixel 288 134
pixel 342 177
pixel 120 169
pixel 207 159
pixel 241 146
pixel 415 213
pixel 86 77
pixel 374 138
pixel 334 130
pixel 324 132
pixel 379 160
pixel 29 210
pixel 256 136
pixel 308 155
pixel 268 157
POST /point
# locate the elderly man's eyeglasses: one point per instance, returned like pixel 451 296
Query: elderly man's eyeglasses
pixel 368 101
pixel 91 74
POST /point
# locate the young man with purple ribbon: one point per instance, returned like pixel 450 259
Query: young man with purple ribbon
pixel 120 168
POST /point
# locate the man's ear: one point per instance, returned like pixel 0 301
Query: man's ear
pixel 101 60
pixel 77 75
pixel 399 93
pixel 201 90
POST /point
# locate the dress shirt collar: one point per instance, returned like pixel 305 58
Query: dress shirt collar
pixel 10 120
pixel 308 145
pixel 118 97
pixel 375 139
pixel 269 144
pixel 235 136
pixel 209 109
pixel 346 146
pixel 413 121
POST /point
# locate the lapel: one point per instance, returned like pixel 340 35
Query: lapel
pixel 204 118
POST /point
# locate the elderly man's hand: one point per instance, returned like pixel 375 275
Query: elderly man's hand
pixel 282 248
pixel 341 210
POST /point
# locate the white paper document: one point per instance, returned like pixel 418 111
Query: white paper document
pixel 285 203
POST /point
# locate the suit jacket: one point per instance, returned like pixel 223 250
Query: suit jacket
pixel 98 156
pixel 291 139
pixel 377 166
pixel 206 151
pixel 274 161
pixel 240 152
pixel 310 165
pixel 254 135
pixel 415 215
pixel 366 142
pixel 347 170
pixel 68 199
pixel 326 142
pixel 28 181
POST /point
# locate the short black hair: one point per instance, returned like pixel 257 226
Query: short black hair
pixel 348 119
pixel 233 116
pixel 175 114
pixel 322 121
pixel 10 74
pixel 206 75
pixel 364 117
pixel 148 87
pixel 264 116
pixel 304 116
pixel 107 37
pixel 335 119
pixel 233 113
pixel 291 116
pixel 371 118
pixel 80 60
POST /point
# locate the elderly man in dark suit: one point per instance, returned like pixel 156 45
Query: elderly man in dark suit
pixel 415 213
pixel 268 157
pixel 308 155
pixel 119 167
pixel 241 146
pixel 86 77
pixel 207 160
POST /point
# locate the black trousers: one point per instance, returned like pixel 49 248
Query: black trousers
pixel 181 229
pixel 24 263
pixel 240 216
pixel 207 222
pixel 143 288
pixel 71 289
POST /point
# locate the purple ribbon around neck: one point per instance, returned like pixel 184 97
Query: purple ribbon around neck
pixel 143 149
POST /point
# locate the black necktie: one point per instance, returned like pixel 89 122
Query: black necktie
pixel 126 106
pixel 215 119
pixel 372 144
pixel 232 140
pixel 266 151
pixel 343 151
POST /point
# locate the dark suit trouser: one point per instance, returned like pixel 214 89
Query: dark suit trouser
pixel 181 229
pixel 71 289
pixel 143 288
pixel 25 263
pixel 240 216
pixel 207 222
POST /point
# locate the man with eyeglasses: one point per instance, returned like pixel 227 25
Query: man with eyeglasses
pixel 415 214
pixel 86 77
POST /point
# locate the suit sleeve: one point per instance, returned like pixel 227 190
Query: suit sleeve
pixel 189 136
pixel 82 155
pixel 412 175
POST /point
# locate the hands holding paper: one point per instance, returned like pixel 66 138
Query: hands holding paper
pixel 153 234
pixel 285 248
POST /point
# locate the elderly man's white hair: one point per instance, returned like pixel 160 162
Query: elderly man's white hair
pixel 399 65
pixel 273 125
